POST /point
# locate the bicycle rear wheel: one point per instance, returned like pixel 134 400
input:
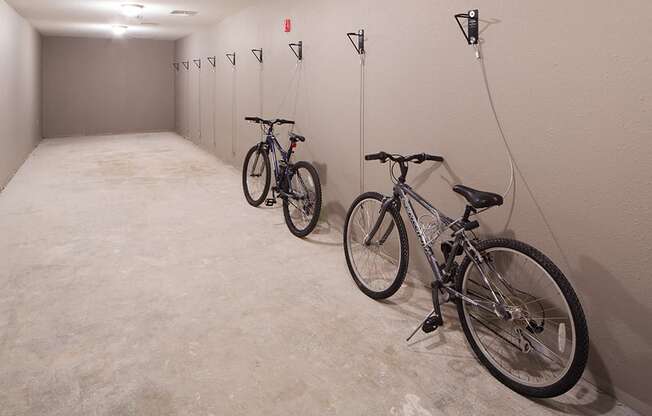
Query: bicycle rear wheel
pixel 378 268
pixel 539 348
pixel 302 209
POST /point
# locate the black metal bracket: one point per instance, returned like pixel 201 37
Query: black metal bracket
pixel 258 53
pixel 197 63
pixel 359 47
pixel 186 64
pixel 176 66
pixel 212 60
pixel 231 57
pixel 471 34
pixel 299 49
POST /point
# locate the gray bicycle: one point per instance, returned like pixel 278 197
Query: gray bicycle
pixel 518 311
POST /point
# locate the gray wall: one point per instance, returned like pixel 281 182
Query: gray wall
pixel 571 86
pixel 107 86
pixel 20 53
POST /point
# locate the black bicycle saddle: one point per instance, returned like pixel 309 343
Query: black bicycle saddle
pixel 479 199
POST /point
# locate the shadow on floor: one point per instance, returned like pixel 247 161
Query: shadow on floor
pixel 325 235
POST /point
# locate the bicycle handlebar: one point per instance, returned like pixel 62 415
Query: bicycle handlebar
pixel 376 156
pixel 278 121
pixel 417 158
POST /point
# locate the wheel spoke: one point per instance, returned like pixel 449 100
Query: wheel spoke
pixel 496 331
pixel 527 294
pixel 301 204
pixel 376 266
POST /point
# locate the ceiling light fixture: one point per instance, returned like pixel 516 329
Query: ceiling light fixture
pixel 120 30
pixel 132 10
pixel 184 12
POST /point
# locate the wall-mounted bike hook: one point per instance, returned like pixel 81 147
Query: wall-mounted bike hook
pixel 299 49
pixel 186 64
pixel 258 53
pixel 471 34
pixel 212 60
pixel 176 66
pixel 197 63
pixel 231 57
pixel 359 47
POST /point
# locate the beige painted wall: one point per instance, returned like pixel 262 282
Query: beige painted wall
pixel 571 86
pixel 20 89
pixel 106 86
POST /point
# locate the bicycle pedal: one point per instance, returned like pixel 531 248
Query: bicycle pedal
pixel 270 202
pixel 431 324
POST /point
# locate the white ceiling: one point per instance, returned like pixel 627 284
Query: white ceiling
pixel 95 18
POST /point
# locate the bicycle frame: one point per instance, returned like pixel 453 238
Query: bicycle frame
pixel 405 194
pixel 272 144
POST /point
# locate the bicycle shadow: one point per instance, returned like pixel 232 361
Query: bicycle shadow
pixel 456 179
pixel 602 288
pixel 277 206
pixel 444 343
pixel 322 170
pixel 405 296
pixel 598 404
pixel 325 234
pixel 584 398
pixel 484 25
pixel 334 211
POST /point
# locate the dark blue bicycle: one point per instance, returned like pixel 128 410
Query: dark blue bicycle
pixel 297 184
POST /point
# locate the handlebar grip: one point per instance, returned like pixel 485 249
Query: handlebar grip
pixel 283 121
pixel 255 119
pixel 434 158
pixel 376 156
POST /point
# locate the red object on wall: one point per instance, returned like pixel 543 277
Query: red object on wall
pixel 288 26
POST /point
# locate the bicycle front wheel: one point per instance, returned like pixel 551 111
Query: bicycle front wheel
pixel 256 175
pixel 379 266
pixel 539 345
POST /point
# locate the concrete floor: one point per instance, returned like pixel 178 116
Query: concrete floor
pixel 135 280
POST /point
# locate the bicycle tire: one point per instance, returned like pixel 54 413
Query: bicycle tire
pixel 268 175
pixel 304 232
pixel 404 249
pixel 578 362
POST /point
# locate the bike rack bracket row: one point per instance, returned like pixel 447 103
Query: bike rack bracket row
pixel 359 47
pixel 231 57
pixel 471 33
pixel 297 49
pixel 258 53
